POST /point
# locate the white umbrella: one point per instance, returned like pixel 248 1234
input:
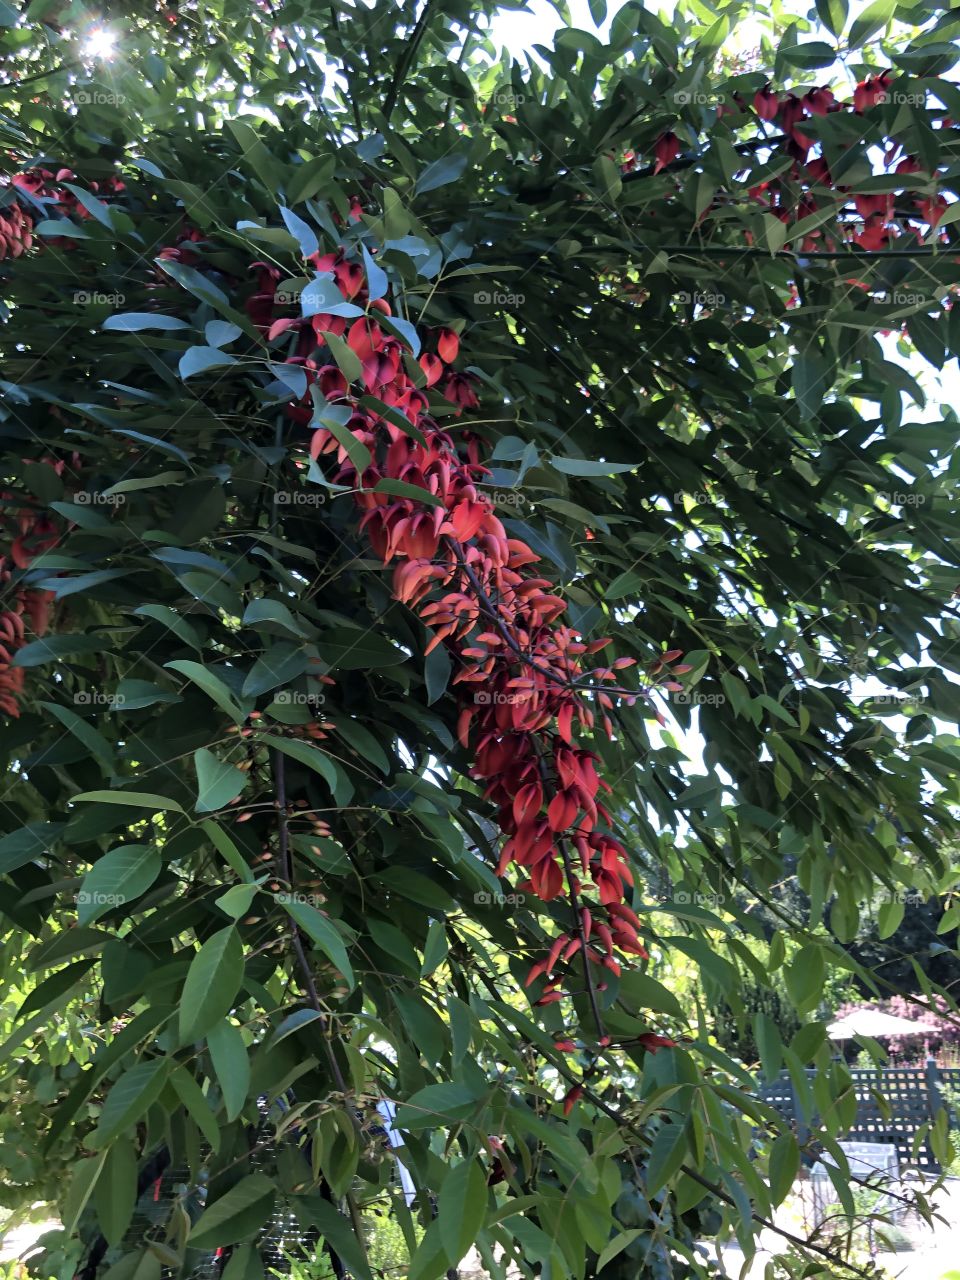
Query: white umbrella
pixel 871 1022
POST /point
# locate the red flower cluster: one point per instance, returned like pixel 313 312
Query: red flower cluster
pixel 525 692
pixel 31 533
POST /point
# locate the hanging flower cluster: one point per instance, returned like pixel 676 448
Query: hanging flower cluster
pixel 24 611
pixel 526 696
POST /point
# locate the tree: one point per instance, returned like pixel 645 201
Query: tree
pixel 359 388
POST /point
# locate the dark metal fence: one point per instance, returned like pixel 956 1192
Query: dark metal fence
pixel 893 1104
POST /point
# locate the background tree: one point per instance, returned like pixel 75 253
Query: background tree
pixel 288 675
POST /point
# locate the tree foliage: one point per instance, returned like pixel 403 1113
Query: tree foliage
pixel 348 373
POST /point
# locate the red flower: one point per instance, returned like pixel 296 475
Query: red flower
pixel 766 103
pixel 665 150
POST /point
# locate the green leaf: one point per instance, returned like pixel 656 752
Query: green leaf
pixel 118 878
pixel 199 359
pixel 212 983
pixel 135 321
pixel 211 684
pixel 441 173
pixel 322 933
pixel 20 847
pixel 437 1104
pixel 179 626
pixel 139 800
pixel 350 649
pixel 115 1192
pixel 279 665
pixel 833 15
pixel 667 1154
pixel 586 467
pixel 316 1212
pixel 889 917
pixel 333 418
pixel 870 21
pixel 345 359
pixel 217 783
pixel 462 1208
pixel 644 992
pixel 400 489
pixel 231 1064
pixel 228 849
pixel 302 232
pixel 784 1166
pixel 129 1099
pixel 617 1246
pixel 394 416
pixel 244 1264
pixel 306 753
pixel 192 1097
pixel 237 1215
pixel 85 734
pixel 53 648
